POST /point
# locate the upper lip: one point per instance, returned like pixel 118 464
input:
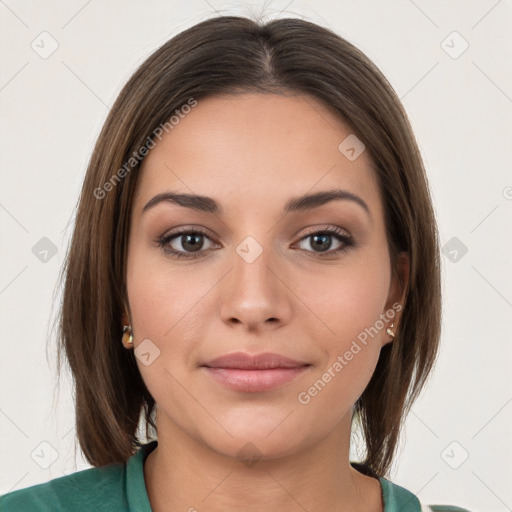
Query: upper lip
pixel 244 361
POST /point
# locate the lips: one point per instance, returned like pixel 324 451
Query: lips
pixel 254 373
pixel 244 361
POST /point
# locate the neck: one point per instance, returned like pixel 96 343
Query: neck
pixel 184 474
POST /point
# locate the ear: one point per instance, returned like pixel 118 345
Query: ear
pixel 397 291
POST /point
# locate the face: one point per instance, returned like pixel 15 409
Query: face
pixel 247 270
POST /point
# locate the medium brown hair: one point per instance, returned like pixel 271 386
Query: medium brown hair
pixel 229 55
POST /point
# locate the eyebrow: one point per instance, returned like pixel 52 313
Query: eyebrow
pixel 296 204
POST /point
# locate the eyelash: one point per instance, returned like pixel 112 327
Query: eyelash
pixel 338 233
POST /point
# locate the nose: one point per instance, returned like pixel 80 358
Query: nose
pixel 255 295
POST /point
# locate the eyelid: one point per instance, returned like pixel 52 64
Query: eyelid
pixel 182 230
pixel 312 230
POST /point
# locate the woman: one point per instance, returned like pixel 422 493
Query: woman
pixel 255 269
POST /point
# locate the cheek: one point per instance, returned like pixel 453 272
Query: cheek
pixel 162 296
pixel 348 301
pixel 350 351
pixel 167 310
pixel 350 305
pixel 169 307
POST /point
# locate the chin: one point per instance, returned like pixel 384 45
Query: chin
pixel 260 436
pixel 253 447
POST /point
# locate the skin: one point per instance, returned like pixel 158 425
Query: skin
pixel 252 153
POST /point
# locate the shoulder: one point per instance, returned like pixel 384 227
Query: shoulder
pixel 91 489
pixel 398 498
pixel 443 508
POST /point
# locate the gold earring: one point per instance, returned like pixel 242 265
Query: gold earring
pixel 127 338
pixel 390 331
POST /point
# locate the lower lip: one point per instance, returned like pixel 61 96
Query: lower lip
pixel 254 381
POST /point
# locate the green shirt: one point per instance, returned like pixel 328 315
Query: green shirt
pixel 121 488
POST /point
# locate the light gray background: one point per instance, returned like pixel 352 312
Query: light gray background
pixel 461 111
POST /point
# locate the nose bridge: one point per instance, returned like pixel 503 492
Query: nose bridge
pixel 252 266
pixel 253 293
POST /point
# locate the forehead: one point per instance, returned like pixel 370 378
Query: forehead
pixel 260 148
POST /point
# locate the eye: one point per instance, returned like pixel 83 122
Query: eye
pixel 189 243
pixel 322 241
pixel 185 243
